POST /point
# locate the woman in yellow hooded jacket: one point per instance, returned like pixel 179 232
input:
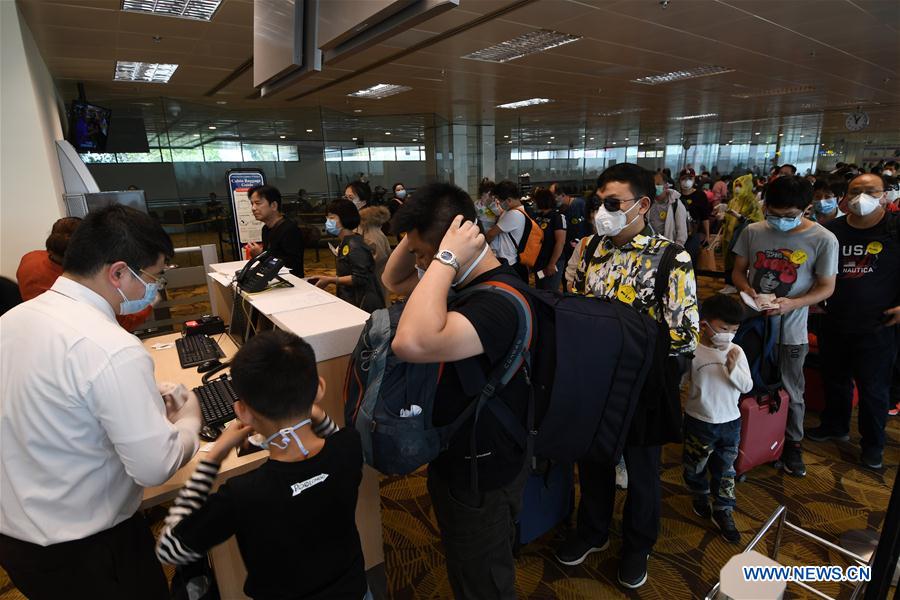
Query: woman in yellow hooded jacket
pixel 743 209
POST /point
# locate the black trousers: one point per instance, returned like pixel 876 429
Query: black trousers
pixel 117 563
pixel 869 359
pixel 640 519
pixel 478 533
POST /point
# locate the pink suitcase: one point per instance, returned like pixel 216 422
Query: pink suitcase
pixel 763 419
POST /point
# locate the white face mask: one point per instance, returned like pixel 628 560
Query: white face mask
pixel 863 204
pixel 720 339
pixel 893 195
pixel 687 184
pixel 887 173
pixel 612 223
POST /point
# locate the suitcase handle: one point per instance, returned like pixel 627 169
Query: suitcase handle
pixel 772 399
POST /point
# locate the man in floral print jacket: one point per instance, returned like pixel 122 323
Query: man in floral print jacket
pixel 623 266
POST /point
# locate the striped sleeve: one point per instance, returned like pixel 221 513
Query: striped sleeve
pixel 326 428
pixel 170 549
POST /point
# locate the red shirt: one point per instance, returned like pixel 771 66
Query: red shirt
pixel 37 274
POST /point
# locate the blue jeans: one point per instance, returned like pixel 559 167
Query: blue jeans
pixel 713 447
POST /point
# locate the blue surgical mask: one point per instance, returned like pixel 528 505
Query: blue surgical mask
pixel 400 194
pixel 783 223
pixel 826 206
pixel 660 189
pixel 130 307
pixel 331 227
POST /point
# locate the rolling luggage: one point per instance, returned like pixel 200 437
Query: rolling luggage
pixel 814 394
pixel 764 410
pixel 547 500
pixel 763 419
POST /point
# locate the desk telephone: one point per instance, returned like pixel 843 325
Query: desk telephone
pixel 259 271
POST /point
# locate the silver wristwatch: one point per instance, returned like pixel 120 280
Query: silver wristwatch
pixel 448 258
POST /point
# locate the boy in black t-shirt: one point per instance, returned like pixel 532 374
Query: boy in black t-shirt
pixel 549 267
pixel 444 244
pixel 294 516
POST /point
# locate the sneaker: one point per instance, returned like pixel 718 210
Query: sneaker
pixel 574 550
pixel 633 570
pixel 893 412
pixel 792 459
pixel 728 289
pixel 871 457
pixel 701 506
pixel 824 434
pixel 621 475
pixel 725 523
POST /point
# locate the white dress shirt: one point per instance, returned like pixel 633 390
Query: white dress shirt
pixel 82 424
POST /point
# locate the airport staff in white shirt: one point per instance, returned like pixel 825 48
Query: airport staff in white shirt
pixel 83 427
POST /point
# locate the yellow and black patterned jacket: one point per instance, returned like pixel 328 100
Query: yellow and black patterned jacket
pixel 629 274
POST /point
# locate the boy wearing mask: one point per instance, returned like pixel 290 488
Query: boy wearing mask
pixel 794 259
pixel 712 421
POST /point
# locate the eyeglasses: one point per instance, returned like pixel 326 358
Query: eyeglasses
pixel 160 280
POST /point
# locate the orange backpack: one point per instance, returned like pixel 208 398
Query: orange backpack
pixel 529 246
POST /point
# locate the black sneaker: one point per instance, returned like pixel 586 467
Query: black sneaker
pixel 824 434
pixel 701 506
pixel 574 550
pixel 633 570
pixel 871 457
pixel 792 459
pixel 725 523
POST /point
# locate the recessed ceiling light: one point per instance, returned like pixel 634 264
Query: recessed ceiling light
pixel 357 110
pixel 801 135
pixel 127 70
pixel 505 137
pixel 780 135
pixel 387 133
pixel 729 141
pixel 548 142
pixel 757 133
pixel 509 142
pixel 196 135
pixel 202 10
pixel 415 139
pixel 524 103
pixel 221 101
pixel 703 71
pixel 692 117
pixel 212 126
pixel 552 137
pixel 591 139
pixel 354 139
pixel 523 45
pixel 380 90
pixel 309 131
pixel 641 144
pixel 626 139
pixel 657 139
pixel 614 143
pixel 775 92
pixel 282 136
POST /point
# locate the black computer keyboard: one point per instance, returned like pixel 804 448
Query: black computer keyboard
pixel 216 401
pixel 195 350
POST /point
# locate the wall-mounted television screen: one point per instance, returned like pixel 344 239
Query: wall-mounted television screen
pixel 88 126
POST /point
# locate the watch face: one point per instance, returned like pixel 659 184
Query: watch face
pixel 446 256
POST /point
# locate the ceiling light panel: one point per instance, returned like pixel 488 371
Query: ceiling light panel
pixel 524 103
pixel 529 43
pixel 702 71
pixel 141 71
pixel 380 90
pixel 692 117
pixel 201 10
pixel 775 92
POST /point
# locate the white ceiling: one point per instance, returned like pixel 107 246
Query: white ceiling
pixel 843 53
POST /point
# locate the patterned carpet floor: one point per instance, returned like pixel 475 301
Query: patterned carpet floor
pixel 836 496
